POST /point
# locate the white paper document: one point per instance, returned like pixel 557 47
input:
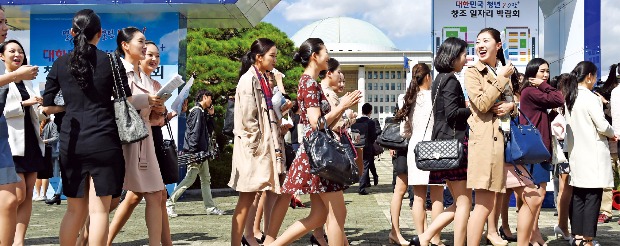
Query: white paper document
pixel 169 87
pixel 178 102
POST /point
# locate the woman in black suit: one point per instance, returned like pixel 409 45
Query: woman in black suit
pixel 92 164
pixel 450 121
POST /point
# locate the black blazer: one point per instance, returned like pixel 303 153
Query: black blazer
pixel 89 123
pixel 378 129
pixel 450 110
pixel 371 137
pixel 199 128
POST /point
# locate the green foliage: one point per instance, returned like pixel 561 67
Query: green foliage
pixel 214 56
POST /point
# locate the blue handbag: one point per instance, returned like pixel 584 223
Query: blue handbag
pixel 524 144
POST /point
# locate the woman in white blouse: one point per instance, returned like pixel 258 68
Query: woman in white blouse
pixel 587 135
pixel 417 117
pixel 22 113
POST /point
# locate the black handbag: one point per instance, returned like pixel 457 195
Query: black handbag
pixel 169 162
pixel 377 149
pixel 442 154
pixel 390 138
pixel 330 159
pixel 229 119
pixel 289 154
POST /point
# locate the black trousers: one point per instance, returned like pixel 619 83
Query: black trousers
pixel 369 163
pixel 584 208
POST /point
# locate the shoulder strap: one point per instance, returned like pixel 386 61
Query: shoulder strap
pixel 169 128
pixel 118 86
pixel 433 105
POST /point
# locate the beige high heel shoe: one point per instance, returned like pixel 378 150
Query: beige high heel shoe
pixel 559 233
pixel 497 242
pixel 395 241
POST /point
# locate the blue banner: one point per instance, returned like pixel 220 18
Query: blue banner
pixel 50 34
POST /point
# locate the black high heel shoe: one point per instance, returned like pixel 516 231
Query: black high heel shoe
pixel 415 241
pixel 314 241
pixel 54 199
pixel 507 238
pixel 244 242
pixel 261 240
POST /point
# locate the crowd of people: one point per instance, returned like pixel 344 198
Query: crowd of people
pixel 566 110
pixel 70 132
pixel 272 163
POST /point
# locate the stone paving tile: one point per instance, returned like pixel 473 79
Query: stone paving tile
pixel 368 220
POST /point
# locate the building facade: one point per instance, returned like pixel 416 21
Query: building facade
pixel 368 59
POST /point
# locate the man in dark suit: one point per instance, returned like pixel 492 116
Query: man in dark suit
pixel 368 157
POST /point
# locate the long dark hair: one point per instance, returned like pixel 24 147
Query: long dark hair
pixel 579 74
pixel 86 24
pixel 303 54
pixel 530 72
pixel 610 83
pixel 259 47
pixel 124 35
pixel 418 73
pixel 3 48
pixel 559 83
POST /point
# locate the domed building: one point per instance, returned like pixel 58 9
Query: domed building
pixel 369 60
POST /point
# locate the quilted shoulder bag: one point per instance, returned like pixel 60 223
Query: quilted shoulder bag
pixel 441 154
pixel 524 144
pixel 329 158
pixel 131 127
pixel 390 137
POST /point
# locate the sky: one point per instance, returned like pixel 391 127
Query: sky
pixel 414 32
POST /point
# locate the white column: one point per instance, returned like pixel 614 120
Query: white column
pixel 361 86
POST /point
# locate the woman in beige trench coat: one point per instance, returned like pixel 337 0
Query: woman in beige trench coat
pixel 142 175
pixel 488 88
pixel 255 163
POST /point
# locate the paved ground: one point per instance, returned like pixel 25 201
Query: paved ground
pixel 367 223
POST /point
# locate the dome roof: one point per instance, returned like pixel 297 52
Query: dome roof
pixel 345 34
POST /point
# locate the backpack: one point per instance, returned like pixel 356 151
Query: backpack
pixel 362 129
pixel 229 119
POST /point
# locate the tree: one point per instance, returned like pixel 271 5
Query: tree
pixel 214 56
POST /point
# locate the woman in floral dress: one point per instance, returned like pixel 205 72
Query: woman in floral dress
pixel 313 104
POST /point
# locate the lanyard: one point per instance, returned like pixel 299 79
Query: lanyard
pixel 261 77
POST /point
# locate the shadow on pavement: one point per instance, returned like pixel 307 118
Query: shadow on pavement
pixel 42 241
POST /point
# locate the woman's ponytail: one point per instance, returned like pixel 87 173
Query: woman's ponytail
pixel 611 82
pixel 419 73
pixel 246 62
pixel 569 89
pixel 500 56
pixel 86 24
pixel 81 68
pixel 297 57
